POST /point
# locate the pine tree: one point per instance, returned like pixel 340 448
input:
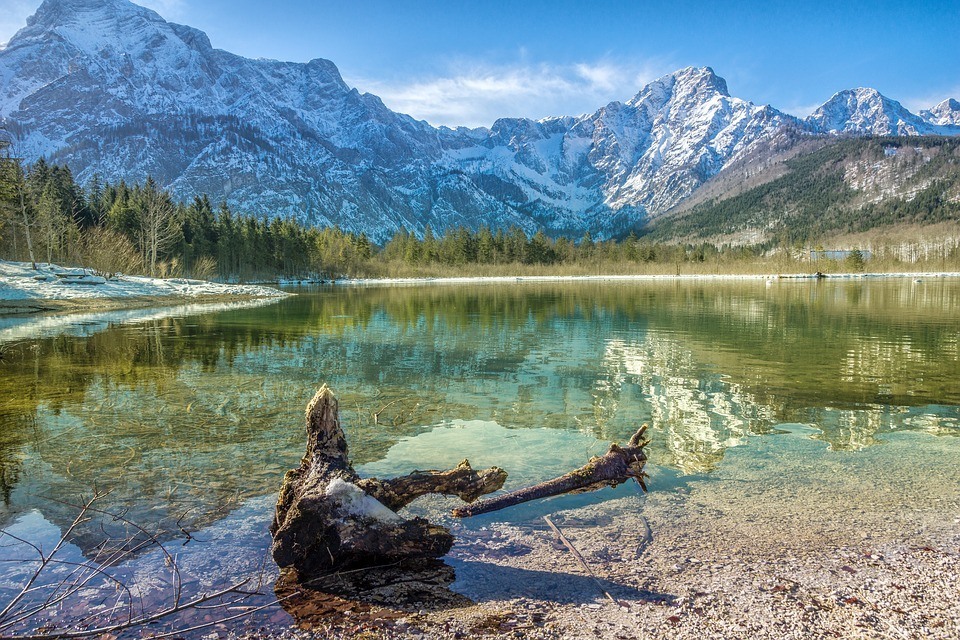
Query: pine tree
pixel 486 249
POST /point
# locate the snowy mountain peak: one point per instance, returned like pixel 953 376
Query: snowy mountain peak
pixel 865 111
pixel 81 21
pixel 946 113
pixel 689 83
pixel 700 80
pixel 85 22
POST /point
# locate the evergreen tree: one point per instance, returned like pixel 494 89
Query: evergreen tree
pixel 515 245
pixel 855 261
pixel 428 251
pixel 95 200
pixel 540 250
pixel 486 248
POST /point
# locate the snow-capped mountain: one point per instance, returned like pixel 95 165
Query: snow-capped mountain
pixel 947 113
pixel 109 87
pixel 867 112
pixel 626 161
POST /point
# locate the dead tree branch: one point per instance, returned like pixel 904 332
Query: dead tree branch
pixel 576 554
pixel 615 467
pixel 330 519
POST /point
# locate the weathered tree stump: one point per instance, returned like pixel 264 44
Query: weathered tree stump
pixel 328 519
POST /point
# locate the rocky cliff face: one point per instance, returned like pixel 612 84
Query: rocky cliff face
pixel 109 87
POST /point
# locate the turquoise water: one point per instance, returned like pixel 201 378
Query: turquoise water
pixel 190 420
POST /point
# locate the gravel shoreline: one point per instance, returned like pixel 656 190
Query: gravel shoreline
pixel 750 553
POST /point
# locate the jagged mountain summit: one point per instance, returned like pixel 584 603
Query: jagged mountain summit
pixel 866 111
pixel 947 113
pixel 622 164
pixel 111 88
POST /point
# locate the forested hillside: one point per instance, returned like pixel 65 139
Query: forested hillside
pixel 851 186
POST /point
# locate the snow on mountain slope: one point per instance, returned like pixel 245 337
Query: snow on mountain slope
pixel 867 112
pixel 627 161
pixel 109 87
pixel 947 113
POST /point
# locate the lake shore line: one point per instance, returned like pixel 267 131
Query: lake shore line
pixel 54 289
pixel 751 552
pixel 642 278
pixel 50 289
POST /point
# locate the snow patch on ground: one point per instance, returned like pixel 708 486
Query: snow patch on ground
pixel 32 326
pixel 19 281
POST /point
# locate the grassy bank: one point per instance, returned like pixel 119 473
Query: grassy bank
pixel 760 266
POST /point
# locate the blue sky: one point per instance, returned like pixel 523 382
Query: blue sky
pixel 467 62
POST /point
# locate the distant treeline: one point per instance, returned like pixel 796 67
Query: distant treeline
pixel 45 216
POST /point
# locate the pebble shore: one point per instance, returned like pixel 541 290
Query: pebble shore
pixel 865 549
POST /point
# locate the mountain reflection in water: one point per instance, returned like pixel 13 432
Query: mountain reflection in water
pixel 198 413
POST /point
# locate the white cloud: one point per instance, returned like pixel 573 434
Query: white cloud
pixel 476 94
pixel 802 110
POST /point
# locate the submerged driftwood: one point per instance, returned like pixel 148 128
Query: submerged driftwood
pixel 616 466
pixel 330 520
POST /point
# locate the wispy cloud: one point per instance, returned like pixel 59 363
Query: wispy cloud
pixel 476 94
pixel 802 110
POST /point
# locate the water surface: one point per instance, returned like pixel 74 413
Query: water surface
pixel 193 418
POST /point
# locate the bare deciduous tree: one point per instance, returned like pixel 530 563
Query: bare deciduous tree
pixel 64 598
pixel 159 226
pixel 14 183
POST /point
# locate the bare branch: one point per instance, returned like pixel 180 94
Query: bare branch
pixel 142 620
pixel 81 517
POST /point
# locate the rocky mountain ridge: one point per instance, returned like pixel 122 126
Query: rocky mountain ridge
pixel 111 88
pixel 878 186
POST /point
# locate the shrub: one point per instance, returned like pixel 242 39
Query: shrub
pixel 109 252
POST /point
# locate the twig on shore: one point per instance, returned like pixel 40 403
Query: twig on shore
pixel 579 557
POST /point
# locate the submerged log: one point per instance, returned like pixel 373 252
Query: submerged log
pixel 616 466
pixel 328 519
